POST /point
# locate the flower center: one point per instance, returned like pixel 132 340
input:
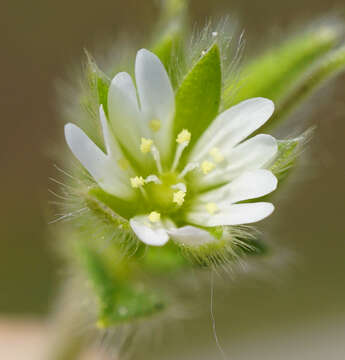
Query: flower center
pixel 164 196
pixel 165 192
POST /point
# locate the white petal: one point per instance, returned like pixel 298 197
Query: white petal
pixel 156 96
pixel 111 145
pixel 232 215
pixel 233 126
pixel 101 167
pixel 150 234
pixel 250 185
pixel 124 115
pixel 191 236
pixel 254 153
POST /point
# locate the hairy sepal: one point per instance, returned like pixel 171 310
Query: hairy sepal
pixel 158 260
pixel 231 244
pixel 288 153
pixel 98 81
pixel 198 97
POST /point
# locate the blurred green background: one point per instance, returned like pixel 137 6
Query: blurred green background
pixel 292 306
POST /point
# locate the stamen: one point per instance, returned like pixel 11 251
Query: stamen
pixel 153 178
pixel 183 139
pixel 189 167
pixel 180 186
pixel 154 216
pixel 212 208
pixel 183 136
pixel 178 154
pixel 145 145
pixel 178 197
pixel 155 125
pixel 156 156
pixel 207 166
pixel 216 154
pixel 137 182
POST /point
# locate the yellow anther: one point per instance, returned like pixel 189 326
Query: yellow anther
pixel 183 136
pixel 137 182
pixel 155 125
pixel 123 164
pixel 217 155
pixel 179 197
pixel 145 145
pixel 154 216
pixel 212 208
pixel 207 166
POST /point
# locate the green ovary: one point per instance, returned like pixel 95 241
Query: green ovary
pixel 161 196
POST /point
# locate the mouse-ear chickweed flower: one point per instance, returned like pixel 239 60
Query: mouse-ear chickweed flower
pixel 176 158
pixel 224 167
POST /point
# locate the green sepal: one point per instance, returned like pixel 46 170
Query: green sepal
pixel 274 73
pixel 119 299
pixel 167 48
pixel 169 35
pixel 98 81
pixel 198 97
pixel 288 152
pixel 112 210
pixel 162 259
pixel 110 205
pixel 231 244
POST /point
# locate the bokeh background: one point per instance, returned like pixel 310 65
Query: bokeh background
pixel 292 311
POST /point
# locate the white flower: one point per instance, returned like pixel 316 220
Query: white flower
pixel 142 164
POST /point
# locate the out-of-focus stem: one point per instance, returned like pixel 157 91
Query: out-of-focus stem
pixel 67 339
pixel 68 347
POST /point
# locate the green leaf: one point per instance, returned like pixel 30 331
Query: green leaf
pixel 198 98
pixel 119 300
pixel 272 74
pixel 288 152
pixel 98 276
pixel 326 69
pixel 130 303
